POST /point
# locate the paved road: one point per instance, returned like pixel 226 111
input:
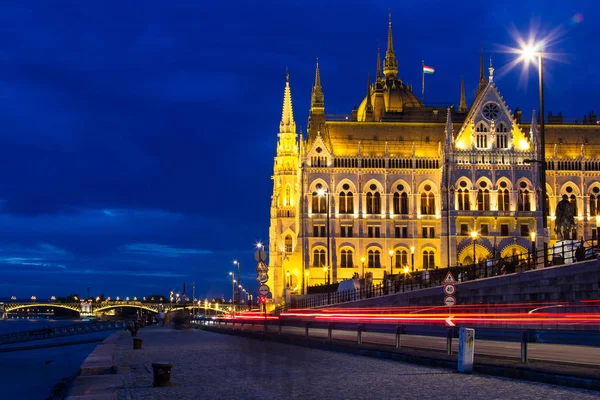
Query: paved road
pixel 214 366
pixel 587 355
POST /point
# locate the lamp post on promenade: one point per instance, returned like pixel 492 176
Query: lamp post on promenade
pixel 391 253
pixel 232 288
pixel 236 262
pixel 533 250
pixel 322 192
pixel 305 289
pixel 533 52
pixel 412 258
pixel 474 237
pixel 362 261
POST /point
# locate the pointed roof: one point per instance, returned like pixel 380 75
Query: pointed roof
pixel 449 129
pixel 287 124
pixel 390 64
pixel 482 82
pixel 463 99
pixel 317 100
pixel 378 63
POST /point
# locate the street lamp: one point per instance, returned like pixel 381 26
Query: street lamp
pixel 307 274
pixel 232 287
pixel 533 250
pixel 362 260
pixel 287 279
pixel 391 253
pixel 326 275
pixel 412 258
pixel 322 192
pixel 236 262
pixel 474 237
pixel 529 52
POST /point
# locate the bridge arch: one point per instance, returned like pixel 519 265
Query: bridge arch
pixel 112 306
pixel 12 307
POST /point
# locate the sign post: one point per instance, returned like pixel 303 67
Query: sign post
pixel 449 293
pixel 262 276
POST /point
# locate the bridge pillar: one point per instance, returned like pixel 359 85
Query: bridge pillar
pixel 4 315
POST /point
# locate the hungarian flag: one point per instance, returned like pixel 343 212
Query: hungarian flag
pixel 427 70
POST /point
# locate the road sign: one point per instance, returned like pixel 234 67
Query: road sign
pixel 260 255
pixel 262 277
pixel 450 300
pixel 263 290
pixel 449 321
pixel 449 279
pixel 262 267
pixel 449 290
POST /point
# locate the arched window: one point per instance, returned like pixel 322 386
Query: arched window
pixel 483 200
pixel 288 196
pixel 573 200
pixel 428 259
pixel 502 137
pixel 288 244
pixel 595 202
pixel 318 203
pixel 346 259
pixel 319 258
pixel 503 199
pixel 346 202
pixel 464 202
pixel 373 201
pixel 401 258
pixel 400 201
pixel 427 201
pixel 547 205
pixel 523 198
pixel 481 127
pixel 374 260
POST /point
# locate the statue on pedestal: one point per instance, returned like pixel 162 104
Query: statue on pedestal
pixel 565 221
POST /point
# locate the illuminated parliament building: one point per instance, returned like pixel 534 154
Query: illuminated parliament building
pixel 402 184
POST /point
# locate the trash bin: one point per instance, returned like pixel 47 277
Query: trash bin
pixel 162 374
pixel 134 332
pixel 137 343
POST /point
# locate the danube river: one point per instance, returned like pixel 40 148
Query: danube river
pixel 33 374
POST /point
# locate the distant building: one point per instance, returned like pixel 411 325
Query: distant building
pixel 403 177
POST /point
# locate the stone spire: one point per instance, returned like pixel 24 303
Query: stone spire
pixel 462 108
pixel 449 130
pixel 287 124
pixel 390 64
pixel 533 130
pixel 369 105
pixel 378 63
pixel 482 82
pixel 491 70
pixel 317 99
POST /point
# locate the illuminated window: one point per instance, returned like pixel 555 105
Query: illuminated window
pixel 401 201
pixel 594 204
pixel 427 201
pixel 401 258
pixel 503 199
pixel 428 259
pixel 573 200
pixel 346 259
pixel 524 200
pixel 464 202
pixel 288 244
pixel 346 203
pixel 374 259
pixel 373 202
pixel 483 199
pixel 319 258
pixel 288 196
pixel 318 203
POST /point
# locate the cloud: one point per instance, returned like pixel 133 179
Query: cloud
pixel 36 262
pixel 161 250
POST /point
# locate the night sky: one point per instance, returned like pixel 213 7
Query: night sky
pixel 137 138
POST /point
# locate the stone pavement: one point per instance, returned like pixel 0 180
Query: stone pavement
pixel 209 365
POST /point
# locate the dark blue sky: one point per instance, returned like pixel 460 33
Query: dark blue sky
pixel 137 138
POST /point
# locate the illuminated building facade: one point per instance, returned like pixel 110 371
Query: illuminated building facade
pixel 405 184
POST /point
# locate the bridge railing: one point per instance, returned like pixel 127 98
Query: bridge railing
pixel 567 253
pixel 60 331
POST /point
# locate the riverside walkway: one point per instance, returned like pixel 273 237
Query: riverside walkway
pixel 210 365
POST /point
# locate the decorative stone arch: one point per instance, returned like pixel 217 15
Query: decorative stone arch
pixel 346 197
pixel 569 184
pixel 317 247
pixel 345 247
pixel 504 179
pixel 371 250
pixel 464 179
pixel 346 181
pixel 314 185
pixel 432 259
pixel 367 186
pixel 513 249
pixel 286 233
pixel 394 187
pixel 488 183
pixel 421 188
pixel 477 124
pixel 483 249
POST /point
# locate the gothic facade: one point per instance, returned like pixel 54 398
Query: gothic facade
pixel 398 184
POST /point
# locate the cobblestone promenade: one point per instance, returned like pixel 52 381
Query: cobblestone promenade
pixel 214 366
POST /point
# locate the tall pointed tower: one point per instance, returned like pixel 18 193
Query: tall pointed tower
pixel 316 116
pixel 390 64
pixel 284 202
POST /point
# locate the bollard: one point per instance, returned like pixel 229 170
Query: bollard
pixel 398 331
pixel 466 349
pixel 524 337
pixel 329 331
pixel 162 374
pixel 359 334
pixel 449 336
pixel 306 330
pixel 134 332
pixel 137 343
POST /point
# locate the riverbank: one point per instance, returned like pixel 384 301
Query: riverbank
pixel 211 365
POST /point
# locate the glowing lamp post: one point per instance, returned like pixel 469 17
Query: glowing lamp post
pixel 236 262
pixel 412 258
pixel 533 249
pixel 362 261
pixel 529 52
pixel 391 253
pixel 474 237
pixel 232 287
pixel 323 193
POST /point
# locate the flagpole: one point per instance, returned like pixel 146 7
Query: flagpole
pixel 423 81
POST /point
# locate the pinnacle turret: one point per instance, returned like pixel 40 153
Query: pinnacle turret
pixel 462 108
pixel 317 99
pixel 390 64
pixel 287 124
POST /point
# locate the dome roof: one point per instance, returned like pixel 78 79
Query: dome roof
pixel 396 97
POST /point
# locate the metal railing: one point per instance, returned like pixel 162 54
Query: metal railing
pixel 60 331
pixel 518 263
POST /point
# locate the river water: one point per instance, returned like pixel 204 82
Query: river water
pixel 33 374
